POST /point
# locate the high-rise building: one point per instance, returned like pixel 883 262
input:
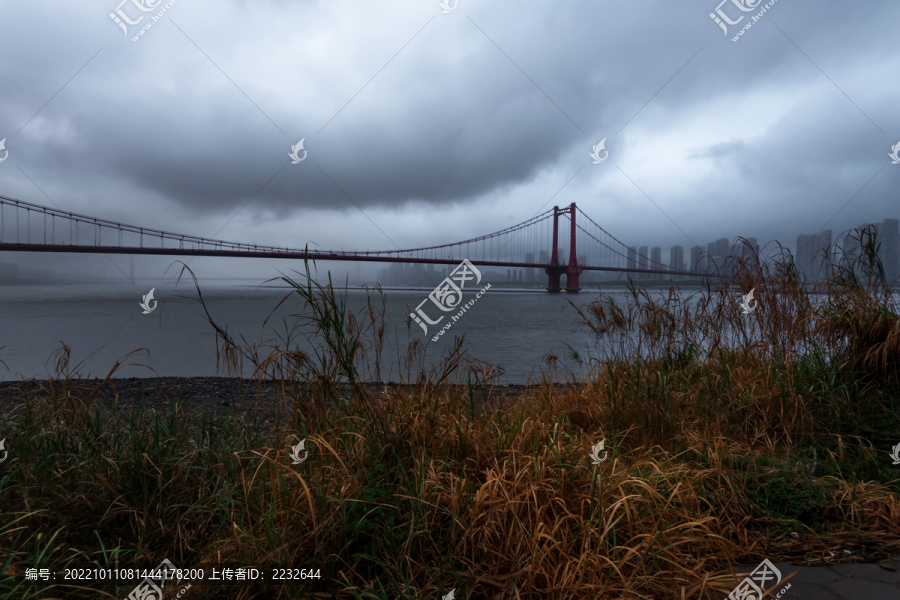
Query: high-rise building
pixel 887 240
pixel 823 256
pixel 889 252
pixel 643 253
pixel 717 251
pixel 696 254
pixel 545 260
pixel 801 258
pixel 851 248
pixel 886 244
pixel 750 247
pixel 396 274
pixel 530 273
pixel 656 261
pixel 676 259
pixel 813 258
pixel 632 257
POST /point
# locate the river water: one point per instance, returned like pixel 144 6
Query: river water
pixel 513 329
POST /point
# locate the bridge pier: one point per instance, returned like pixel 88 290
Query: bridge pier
pixel 553 284
pixel 572 281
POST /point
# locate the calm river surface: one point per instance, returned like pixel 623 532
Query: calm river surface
pixel 102 324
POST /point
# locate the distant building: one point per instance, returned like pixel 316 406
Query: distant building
pixel 396 274
pixel 676 259
pixel 656 261
pixel 750 247
pixel 530 273
pixel 642 260
pixel 850 248
pixel 801 258
pixel 709 259
pixel 544 260
pixel 696 253
pixel 887 240
pixel 811 258
pixel 718 251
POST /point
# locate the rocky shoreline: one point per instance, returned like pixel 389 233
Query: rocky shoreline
pixel 217 393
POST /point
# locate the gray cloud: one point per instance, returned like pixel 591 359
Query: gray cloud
pixel 485 111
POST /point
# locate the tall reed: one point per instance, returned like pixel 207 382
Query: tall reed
pixel 446 482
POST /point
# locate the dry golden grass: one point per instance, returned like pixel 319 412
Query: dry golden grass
pixel 411 491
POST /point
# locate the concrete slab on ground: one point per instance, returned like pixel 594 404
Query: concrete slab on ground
pixel 873 581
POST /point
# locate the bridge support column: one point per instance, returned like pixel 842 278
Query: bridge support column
pixel 553 284
pixel 573 270
pixel 555 269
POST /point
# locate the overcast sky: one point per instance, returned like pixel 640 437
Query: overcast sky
pixel 444 126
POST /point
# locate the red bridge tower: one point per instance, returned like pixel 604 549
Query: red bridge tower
pixel 572 270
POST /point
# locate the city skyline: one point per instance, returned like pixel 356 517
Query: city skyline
pixel 809 257
pixel 808 252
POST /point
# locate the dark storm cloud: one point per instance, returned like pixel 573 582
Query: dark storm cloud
pixel 399 110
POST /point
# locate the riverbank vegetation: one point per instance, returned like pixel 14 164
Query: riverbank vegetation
pixel 729 437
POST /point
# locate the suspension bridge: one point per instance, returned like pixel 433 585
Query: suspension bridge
pixel 534 243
